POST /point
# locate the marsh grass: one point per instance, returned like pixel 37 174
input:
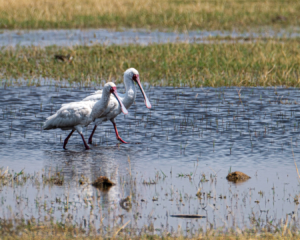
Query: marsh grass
pixel 38 233
pixel 261 63
pixel 168 14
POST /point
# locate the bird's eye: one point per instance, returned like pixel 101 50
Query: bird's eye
pixel 134 77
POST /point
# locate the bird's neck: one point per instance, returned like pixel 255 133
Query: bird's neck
pixel 100 106
pixel 130 93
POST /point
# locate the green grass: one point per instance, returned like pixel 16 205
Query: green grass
pixel 167 14
pixel 264 63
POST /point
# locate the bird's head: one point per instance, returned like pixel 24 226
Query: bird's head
pixel 112 88
pixel 133 74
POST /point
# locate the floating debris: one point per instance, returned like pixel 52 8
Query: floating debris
pixel 125 203
pixel 151 182
pixel 188 216
pixel 237 177
pixel 155 199
pixel 58 181
pixel 103 182
pixel 83 180
pixel 198 194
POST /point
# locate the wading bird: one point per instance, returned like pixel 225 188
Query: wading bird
pixel 76 115
pixel 131 75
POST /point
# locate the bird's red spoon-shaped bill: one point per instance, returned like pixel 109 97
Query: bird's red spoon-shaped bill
pixel 137 79
pixel 115 93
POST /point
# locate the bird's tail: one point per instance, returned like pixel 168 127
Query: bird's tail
pixel 48 124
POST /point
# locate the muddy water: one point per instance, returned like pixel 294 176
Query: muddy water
pixel 102 36
pixel 198 132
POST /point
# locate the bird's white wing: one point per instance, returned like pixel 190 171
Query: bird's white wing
pixel 70 115
pixel 94 96
pixel 66 104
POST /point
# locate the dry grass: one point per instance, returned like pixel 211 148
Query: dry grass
pixel 173 14
pixel 56 232
pixel 262 63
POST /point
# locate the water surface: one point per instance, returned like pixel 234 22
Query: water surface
pixel 72 37
pixel 202 132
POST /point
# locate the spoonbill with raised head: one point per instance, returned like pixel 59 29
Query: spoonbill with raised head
pixel 131 75
pixel 76 115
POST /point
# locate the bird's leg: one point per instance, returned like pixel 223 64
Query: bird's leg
pixel 67 138
pixel 84 142
pixel 117 134
pixel 91 137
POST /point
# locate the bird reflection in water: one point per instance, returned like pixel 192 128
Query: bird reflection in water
pixel 74 165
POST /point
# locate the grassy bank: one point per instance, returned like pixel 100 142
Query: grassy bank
pixel 48 234
pixel 264 63
pixel 171 14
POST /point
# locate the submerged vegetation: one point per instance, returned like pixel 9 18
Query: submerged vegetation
pixel 167 14
pixel 90 213
pixel 260 63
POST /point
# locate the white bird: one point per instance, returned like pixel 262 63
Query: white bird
pixel 131 75
pixel 76 115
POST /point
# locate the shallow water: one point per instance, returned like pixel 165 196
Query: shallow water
pixel 73 37
pixel 187 132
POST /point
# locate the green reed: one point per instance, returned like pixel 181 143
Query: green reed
pixel 261 63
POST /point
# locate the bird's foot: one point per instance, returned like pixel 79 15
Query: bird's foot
pixel 121 140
